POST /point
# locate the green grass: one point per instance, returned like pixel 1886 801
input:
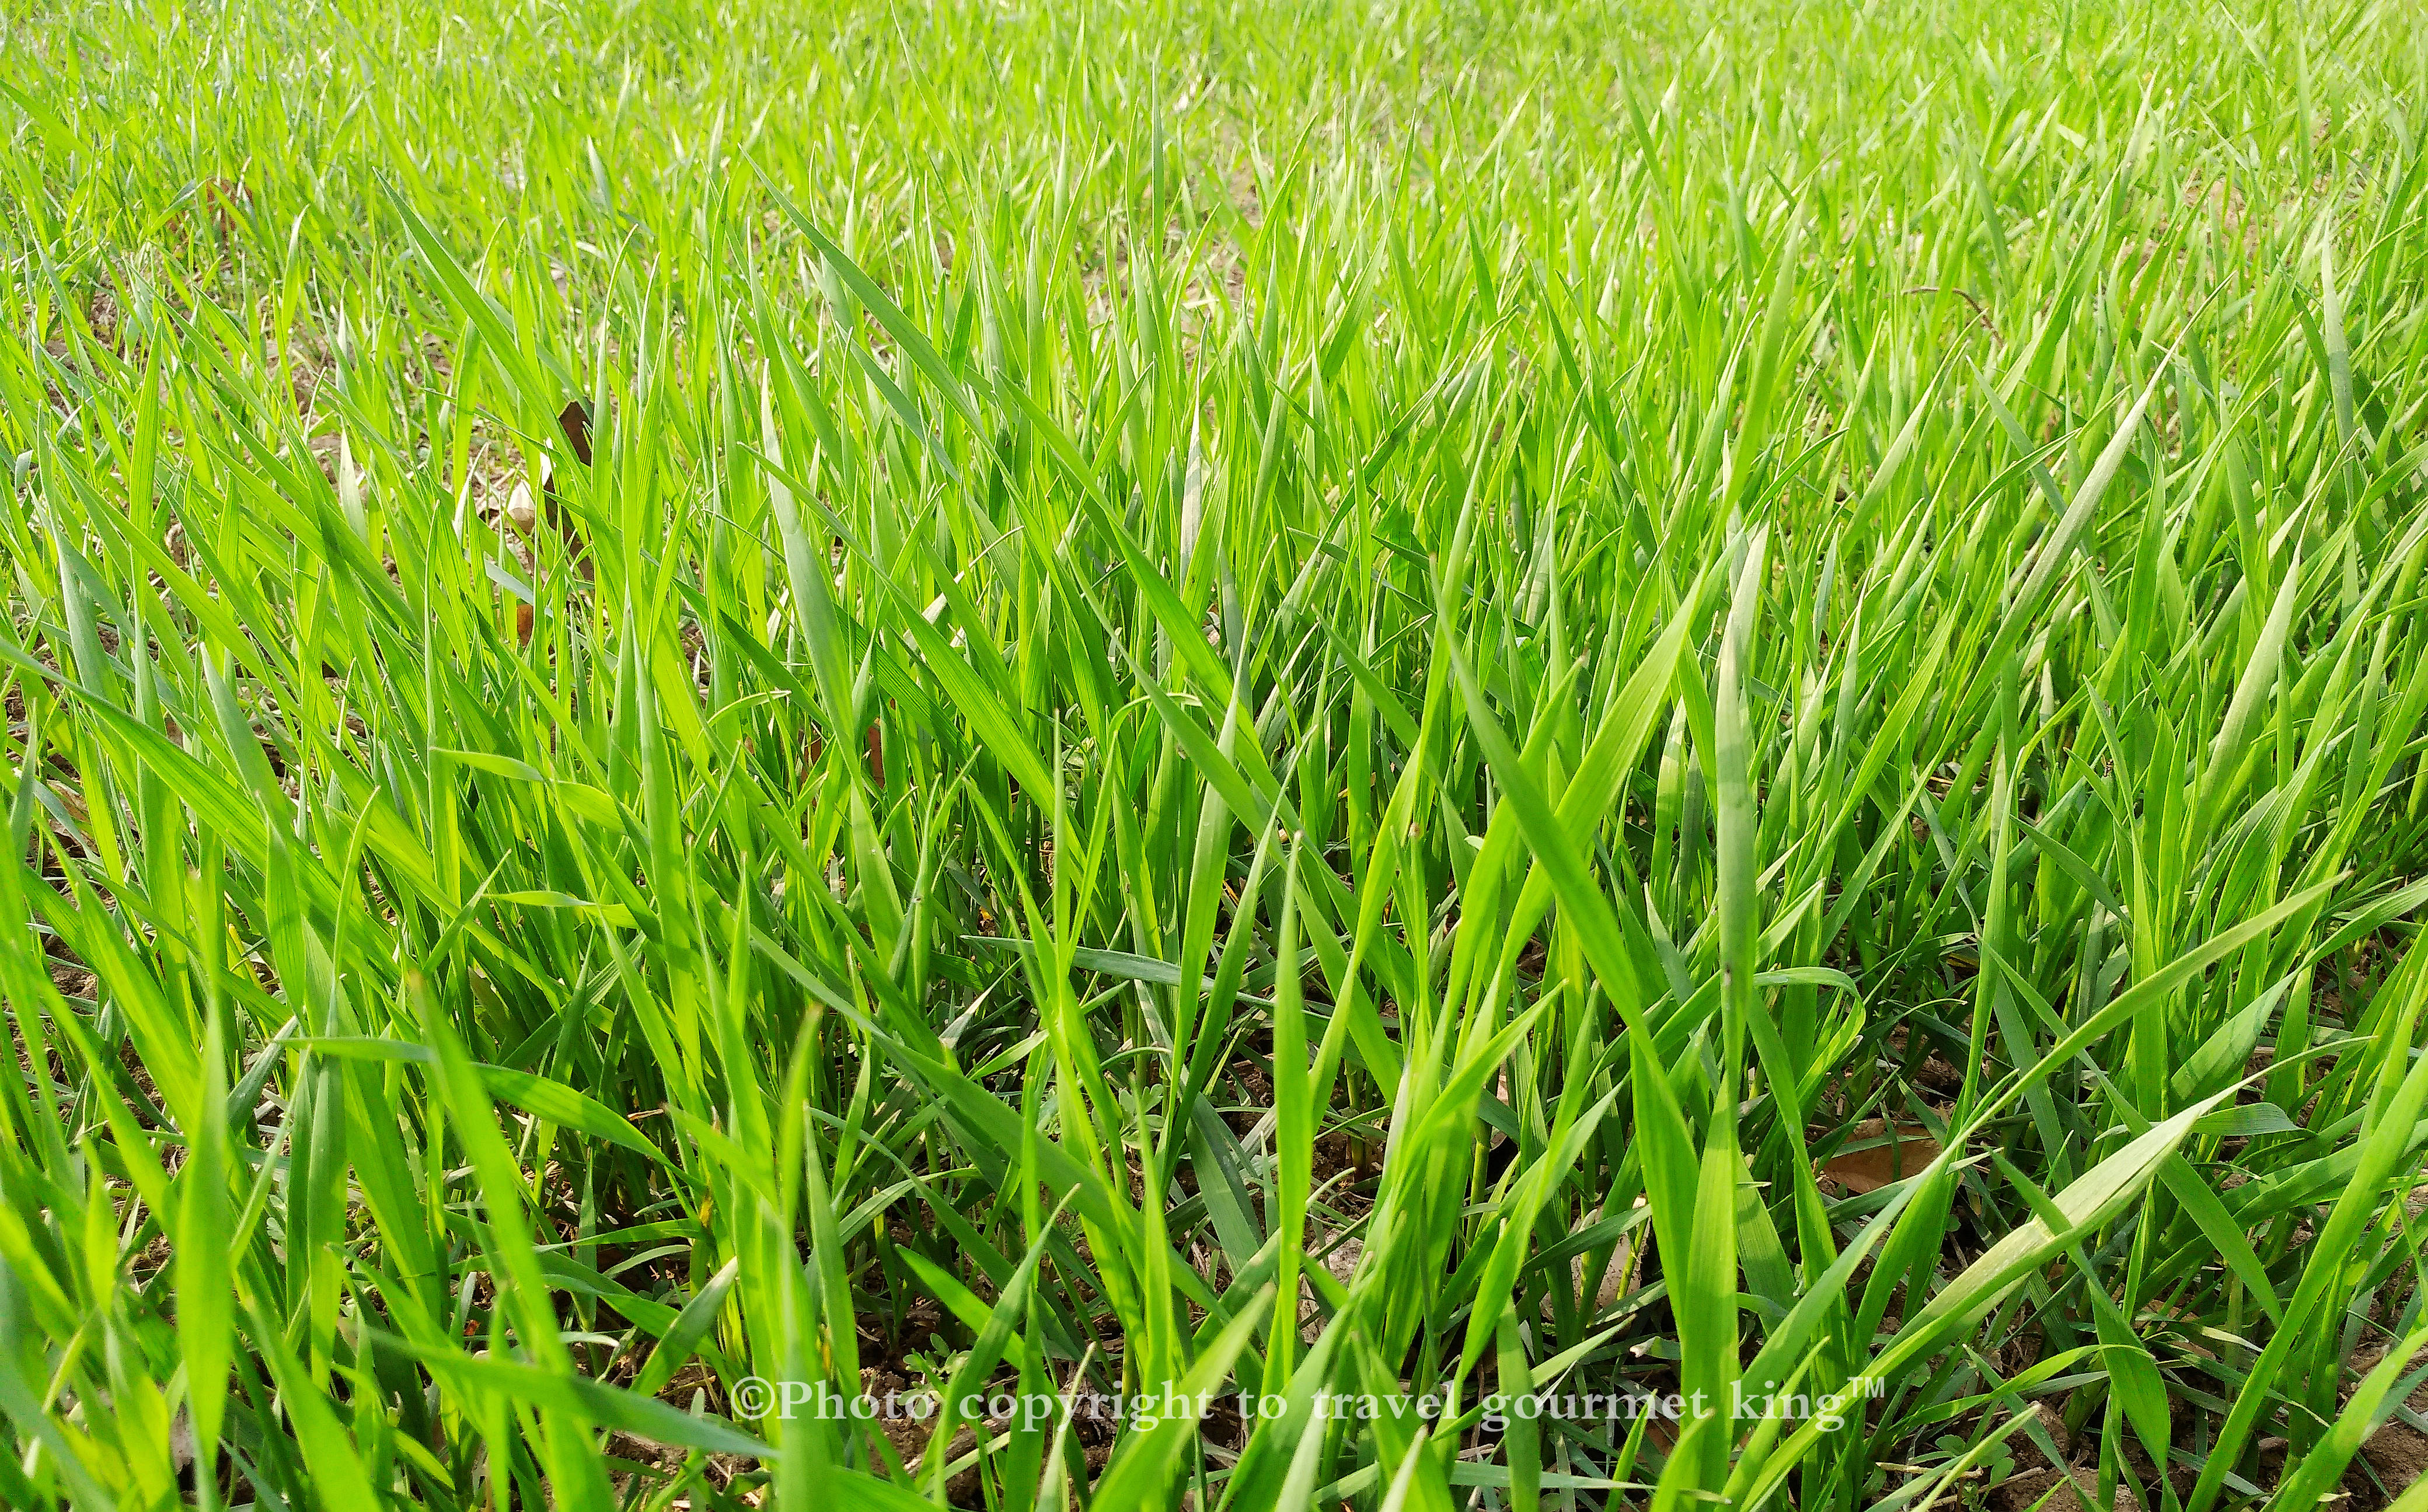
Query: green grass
pixel 1427 668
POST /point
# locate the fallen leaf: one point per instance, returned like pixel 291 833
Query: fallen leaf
pixel 1879 1157
pixel 574 420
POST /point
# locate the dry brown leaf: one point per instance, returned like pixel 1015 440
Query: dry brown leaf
pixel 1877 1158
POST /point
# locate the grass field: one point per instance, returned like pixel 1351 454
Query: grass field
pixel 960 701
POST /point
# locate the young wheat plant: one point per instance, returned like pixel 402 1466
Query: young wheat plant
pixel 1505 753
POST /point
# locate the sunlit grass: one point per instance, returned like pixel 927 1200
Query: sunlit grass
pixel 982 699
